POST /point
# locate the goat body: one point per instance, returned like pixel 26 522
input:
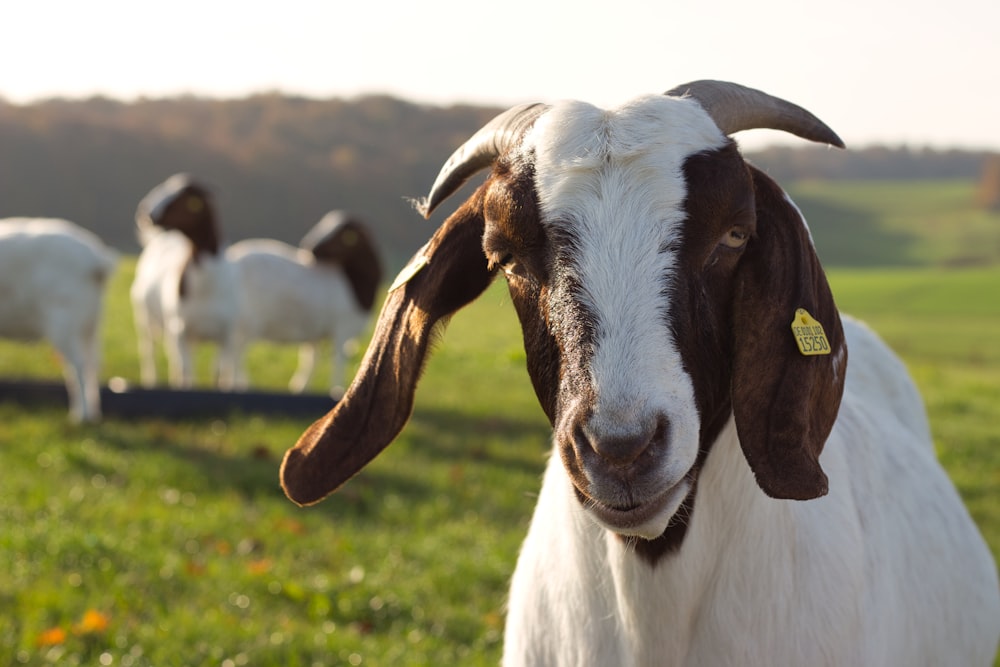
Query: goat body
pixel 184 289
pixel 179 298
pixel 715 496
pixel 53 275
pixel 866 575
pixel 290 297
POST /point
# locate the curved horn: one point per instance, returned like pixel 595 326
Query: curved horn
pixel 479 152
pixel 734 107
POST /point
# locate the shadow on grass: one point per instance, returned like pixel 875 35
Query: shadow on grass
pixel 851 237
pixel 207 457
pixel 478 438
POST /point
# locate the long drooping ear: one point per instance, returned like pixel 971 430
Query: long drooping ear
pixel 452 271
pixel 785 398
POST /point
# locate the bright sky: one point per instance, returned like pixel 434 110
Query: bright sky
pixel 920 72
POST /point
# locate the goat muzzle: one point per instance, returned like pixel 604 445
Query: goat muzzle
pixel 619 464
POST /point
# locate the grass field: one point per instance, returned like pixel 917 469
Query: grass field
pixel 160 542
pixel 899 224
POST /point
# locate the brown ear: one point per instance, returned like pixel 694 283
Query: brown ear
pixel 342 240
pixel 380 399
pixel 785 402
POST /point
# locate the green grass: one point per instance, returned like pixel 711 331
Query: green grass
pixel 179 536
pixel 905 223
pixel 177 539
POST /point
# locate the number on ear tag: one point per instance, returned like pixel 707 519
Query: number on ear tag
pixel 809 334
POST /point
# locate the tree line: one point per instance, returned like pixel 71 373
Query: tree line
pixel 276 163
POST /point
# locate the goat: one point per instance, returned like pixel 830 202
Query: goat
pixel 323 290
pixel 184 290
pixel 671 300
pixel 53 276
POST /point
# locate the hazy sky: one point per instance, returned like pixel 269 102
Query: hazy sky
pixel 921 72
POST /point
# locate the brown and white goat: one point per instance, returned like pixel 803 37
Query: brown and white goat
pixel 323 290
pixel 184 289
pixel 718 495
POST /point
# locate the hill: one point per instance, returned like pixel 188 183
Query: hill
pixel 278 163
pixel 899 223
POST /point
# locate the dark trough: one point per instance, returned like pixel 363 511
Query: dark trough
pixel 139 402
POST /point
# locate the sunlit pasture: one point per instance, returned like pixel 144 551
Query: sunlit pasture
pixel 168 542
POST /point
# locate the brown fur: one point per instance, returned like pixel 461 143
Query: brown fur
pixel 192 213
pixel 378 403
pixel 189 210
pixel 341 240
pixel 785 403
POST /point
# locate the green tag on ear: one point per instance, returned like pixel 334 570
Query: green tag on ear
pixel 412 268
pixel 809 334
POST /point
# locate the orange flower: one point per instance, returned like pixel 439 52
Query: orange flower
pixel 92 622
pixel 260 566
pixel 194 569
pixel 293 526
pixel 51 637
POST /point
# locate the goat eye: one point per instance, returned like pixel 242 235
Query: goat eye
pixel 736 237
pixel 512 268
pixel 501 262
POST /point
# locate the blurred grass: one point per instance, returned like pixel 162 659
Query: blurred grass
pixel 177 534
pixel 877 223
pixel 156 542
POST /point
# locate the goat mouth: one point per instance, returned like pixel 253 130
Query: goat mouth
pixel 648 519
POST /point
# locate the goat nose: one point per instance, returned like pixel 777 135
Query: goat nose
pixel 620 444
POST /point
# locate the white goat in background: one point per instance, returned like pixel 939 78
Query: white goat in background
pixel 53 277
pixel 718 494
pixel 323 290
pixel 184 290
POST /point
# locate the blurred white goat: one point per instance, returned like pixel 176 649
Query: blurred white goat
pixel 53 275
pixel 184 289
pixel 322 290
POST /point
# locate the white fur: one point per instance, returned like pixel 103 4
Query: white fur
pixel 208 311
pixel 53 275
pixel 887 569
pixel 623 200
pixel 760 581
pixel 292 298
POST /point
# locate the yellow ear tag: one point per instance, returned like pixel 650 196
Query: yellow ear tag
pixel 809 334
pixel 412 268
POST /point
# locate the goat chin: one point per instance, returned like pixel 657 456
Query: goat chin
pixel 647 520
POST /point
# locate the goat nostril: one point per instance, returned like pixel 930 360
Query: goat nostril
pixel 662 429
pixel 624 444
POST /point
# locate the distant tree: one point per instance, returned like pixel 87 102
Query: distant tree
pixel 989 183
pixel 791 163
